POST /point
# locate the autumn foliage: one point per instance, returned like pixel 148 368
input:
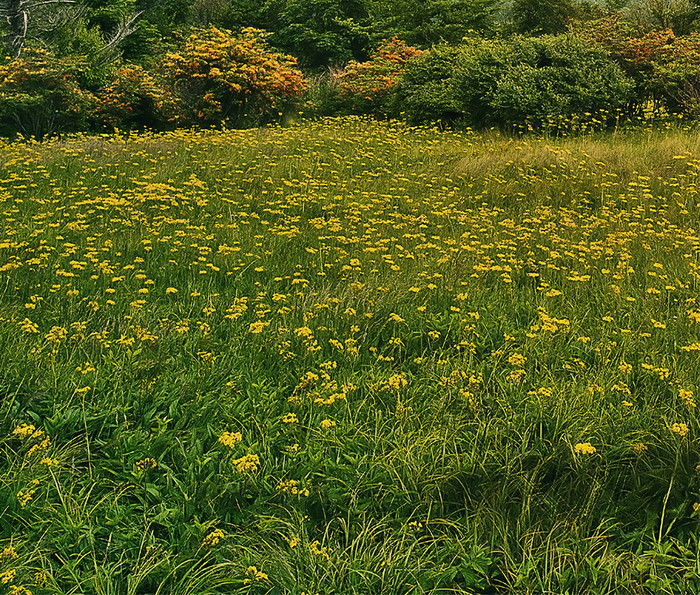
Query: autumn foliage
pixel 220 76
pixel 41 94
pixel 664 67
pixel 368 85
pixel 135 98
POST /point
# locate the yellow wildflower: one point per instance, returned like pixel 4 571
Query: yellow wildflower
pixel 680 428
pixel 8 554
pixel 24 431
pixel 230 439
pixel 213 538
pixel 146 464
pixel 247 464
pixel 584 448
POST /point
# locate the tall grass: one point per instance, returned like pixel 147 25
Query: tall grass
pixel 350 357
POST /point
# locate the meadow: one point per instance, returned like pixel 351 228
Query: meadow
pixel 350 356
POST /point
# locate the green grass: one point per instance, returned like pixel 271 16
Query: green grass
pixel 458 363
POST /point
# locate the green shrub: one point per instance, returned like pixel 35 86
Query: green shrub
pixel 426 89
pixel 556 77
pixel 522 81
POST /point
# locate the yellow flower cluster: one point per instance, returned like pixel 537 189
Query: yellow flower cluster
pixel 253 574
pixel 146 464
pixel 397 382
pixel 584 448
pixel 25 496
pixel 291 486
pixel 230 439
pixel 8 553
pixel 24 431
pixel 213 538
pixel 247 464
pixel 680 428
pixel 687 397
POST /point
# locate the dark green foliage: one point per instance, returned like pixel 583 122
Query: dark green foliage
pixel 41 95
pixel 318 32
pixel 433 21
pixel 502 83
pixel 426 91
pixel 543 16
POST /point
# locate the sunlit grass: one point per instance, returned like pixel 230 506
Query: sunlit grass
pixel 350 357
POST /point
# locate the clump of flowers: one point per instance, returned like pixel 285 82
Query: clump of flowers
pixel 584 448
pixel 291 486
pixel 230 439
pixel 517 359
pixel 24 431
pixel 680 428
pixel 8 554
pixel 213 538
pixel 396 382
pixel 327 424
pixel 26 495
pixel 28 433
pixel 687 397
pixel 253 574
pixel 247 464
pixel 146 464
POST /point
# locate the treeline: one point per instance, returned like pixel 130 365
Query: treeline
pixel 96 65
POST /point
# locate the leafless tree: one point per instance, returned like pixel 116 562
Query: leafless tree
pixel 20 17
pixel 26 19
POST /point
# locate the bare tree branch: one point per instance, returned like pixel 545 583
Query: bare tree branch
pixel 28 17
pixel 17 15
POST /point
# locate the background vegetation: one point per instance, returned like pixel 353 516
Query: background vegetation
pixel 97 65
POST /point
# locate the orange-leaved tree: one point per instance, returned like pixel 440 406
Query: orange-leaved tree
pixel 369 85
pixel 221 77
pixel 135 98
pixel 664 67
pixel 40 94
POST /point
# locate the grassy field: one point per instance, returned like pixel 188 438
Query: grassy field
pixel 350 357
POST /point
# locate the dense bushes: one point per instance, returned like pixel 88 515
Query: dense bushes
pixel 40 94
pixel 519 81
pixel 216 78
pixel 534 82
pixel 134 98
pixel 219 78
pixel 665 68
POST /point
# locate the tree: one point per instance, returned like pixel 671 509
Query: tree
pixel 433 21
pixel 27 18
pixel 43 20
pixel 543 17
pixel 678 15
pixel 319 32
